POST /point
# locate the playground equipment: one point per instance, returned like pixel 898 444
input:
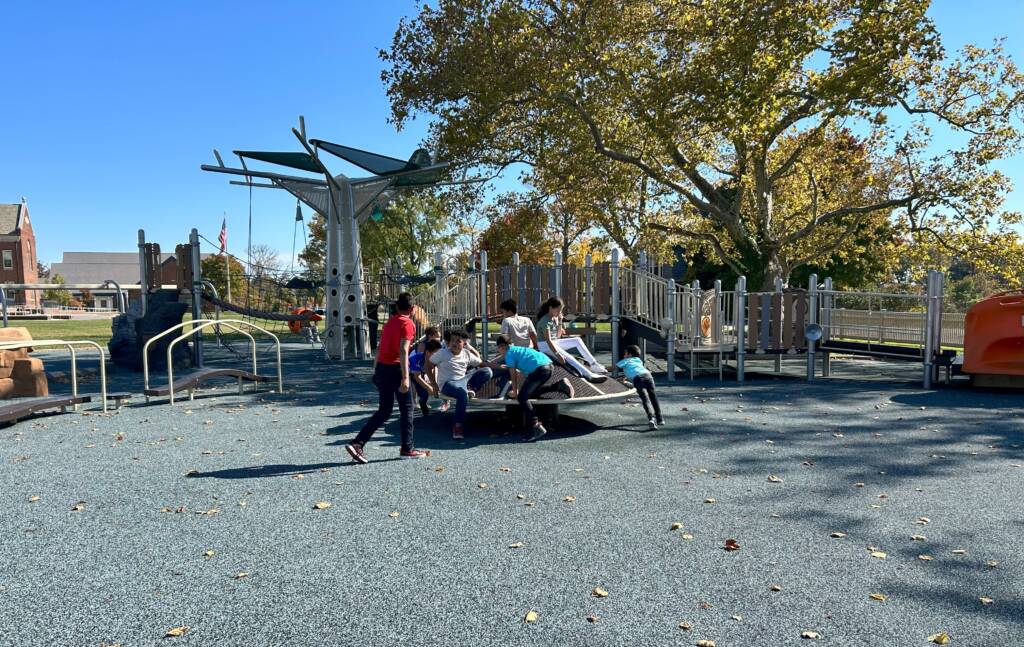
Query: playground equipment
pixel 345 203
pixel 994 340
pixel 191 381
pixel 702 328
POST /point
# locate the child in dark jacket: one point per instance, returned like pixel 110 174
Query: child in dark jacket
pixel 633 366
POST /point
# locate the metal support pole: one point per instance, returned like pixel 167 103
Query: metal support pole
pixel 670 328
pixel 929 330
pixel 616 259
pixel 144 291
pixel 484 333
pixel 812 318
pixel 740 321
pixel 513 282
pixel 716 326
pixel 557 269
pixel 197 297
pixel 440 289
pixel 588 294
pixel 120 296
pixel 334 343
pixel 780 323
pixel 3 299
pixel 826 326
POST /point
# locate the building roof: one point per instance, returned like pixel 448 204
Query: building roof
pixel 10 218
pixel 96 267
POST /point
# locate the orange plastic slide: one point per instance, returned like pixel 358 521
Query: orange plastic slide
pixel 994 335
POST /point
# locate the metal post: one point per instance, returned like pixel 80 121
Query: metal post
pixel 3 298
pixel 334 343
pixel 557 282
pixel 826 326
pixel 142 271
pixel 929 331
pixel 514 282
pixel 812 318
pixel 484 333
pixel 697 340
pixel 197 298
pixel 588 294
pixel 440 289
pixel 120 296
pixel 616 256
pixel 740 321
pixel 716 325
pixel 670 328
pixel 778 292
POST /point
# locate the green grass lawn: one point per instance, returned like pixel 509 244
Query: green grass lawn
pixel 97 330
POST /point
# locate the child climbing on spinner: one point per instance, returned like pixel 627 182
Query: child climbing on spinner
pixel 417 368
pixel 633 366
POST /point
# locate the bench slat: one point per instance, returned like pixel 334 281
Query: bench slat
pixel 195 378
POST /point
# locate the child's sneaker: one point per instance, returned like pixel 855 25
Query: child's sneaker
pixel 565 387
pixel 457 432
pixel 538 432
pixel 471 394
pixel 412 453
pixel 356 452
pixel 661 421
pixel 652 423
pixel 444 406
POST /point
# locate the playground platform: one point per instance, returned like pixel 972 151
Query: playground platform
pixel 202 515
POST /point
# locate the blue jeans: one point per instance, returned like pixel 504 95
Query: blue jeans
pixel 421 393
pixel 476 380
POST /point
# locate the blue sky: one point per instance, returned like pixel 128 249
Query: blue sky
pixel 110 108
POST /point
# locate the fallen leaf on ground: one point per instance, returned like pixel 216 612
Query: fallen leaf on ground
pixel 593 618
pixel 209 553
pixel 941 638
pixel 675 525
pixel 986 601
pixel 393 514
pixel 923 521
pixel 737 617
pixel 78 507
pixel 705 643
pixel 731 544
pixel 568 499
pixel 518 544
pixel 925 558
pixel 504 469
pixel 775 587
pixel 321 505
pixel 838 535
pixel 239 576
pixel 177 631
pixel 687 536
pixel 878 554
pixel 991 563
pixel 686 625
pixel 598 592
pixel 710 501
pixel 877 596
pixel 481 485
pixel 774 479
pixel 439 468
pixel 531 616
pixel 810 635
pixel 959 551
pixel 33 499
pixel 918 538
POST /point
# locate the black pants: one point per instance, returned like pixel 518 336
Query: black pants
pixel 533 386
pixel 388 378
pixel 645 388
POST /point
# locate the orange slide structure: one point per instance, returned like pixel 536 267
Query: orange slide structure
pixel 994 336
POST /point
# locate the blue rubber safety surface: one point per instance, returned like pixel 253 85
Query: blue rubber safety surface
pixel 114 549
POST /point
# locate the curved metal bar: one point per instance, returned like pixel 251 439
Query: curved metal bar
pixel 120 295
pixel 74 360
pixel 205 324
pixel 145 348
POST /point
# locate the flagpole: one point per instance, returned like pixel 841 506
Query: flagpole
pixel 227 264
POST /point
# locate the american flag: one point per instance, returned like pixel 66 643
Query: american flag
pixel 223 238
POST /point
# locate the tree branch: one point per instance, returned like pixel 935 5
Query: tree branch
pixel 705 236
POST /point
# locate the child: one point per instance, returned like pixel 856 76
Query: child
pixel 517 329
pixel 549 329
pixel 641 378
pixel 535 366
pixel 454 378
pixel 416 369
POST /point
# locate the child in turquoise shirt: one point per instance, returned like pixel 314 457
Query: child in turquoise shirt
pixel 633 366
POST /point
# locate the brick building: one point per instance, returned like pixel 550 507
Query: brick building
pixel 18 260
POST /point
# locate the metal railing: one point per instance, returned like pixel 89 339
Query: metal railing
pixel 70 346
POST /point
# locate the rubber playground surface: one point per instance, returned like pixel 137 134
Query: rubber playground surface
pixel 867 512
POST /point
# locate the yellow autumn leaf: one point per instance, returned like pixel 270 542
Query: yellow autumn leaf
pixel 774 479
pixel 531 616
pixel 209 553
pixel 705 643
pixel 986 601
pixel 918 538
pixel 175 632
pixel 241 575
pixel 838 535
pixel 941 638
pixel 686 625
pixel 877 596
pixel 520 496
pixel 482 486
pixel 687 536
pixel 710 501
pixel 676 526
pixel 879 554
pixel 568 499
pixel 925 558
pixel 321 505
pixel 518 544
pixel 598 592
pixel 393 514
pixel 33 499
pixel 810 635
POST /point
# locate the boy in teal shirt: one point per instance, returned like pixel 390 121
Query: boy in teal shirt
pixel 633 366
pixel 536 369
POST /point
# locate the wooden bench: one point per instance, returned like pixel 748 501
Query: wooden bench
pixel 192 380
pixel 119 398
pixel 16 410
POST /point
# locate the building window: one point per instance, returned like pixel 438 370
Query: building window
pixel 8 259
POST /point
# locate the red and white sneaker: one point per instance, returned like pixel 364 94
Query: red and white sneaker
pixel 412 453
pixel 356 452
pixel 458 432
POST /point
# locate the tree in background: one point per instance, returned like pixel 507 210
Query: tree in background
pixel 517 227
pixel 214 271
pixel 264 261
pixel 60 297
pixel 731 108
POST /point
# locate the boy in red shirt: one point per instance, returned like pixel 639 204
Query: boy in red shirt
pixel 391 375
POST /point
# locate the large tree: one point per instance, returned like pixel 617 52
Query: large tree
pixel 728 105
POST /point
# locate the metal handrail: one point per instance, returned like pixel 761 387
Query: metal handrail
pixel 205 324
pixel 13 345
